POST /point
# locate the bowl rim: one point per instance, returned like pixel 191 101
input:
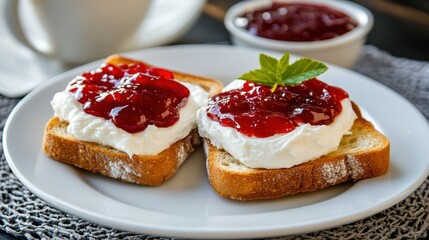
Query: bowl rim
pixel 362 15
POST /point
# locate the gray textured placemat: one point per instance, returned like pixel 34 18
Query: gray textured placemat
pixel 24 215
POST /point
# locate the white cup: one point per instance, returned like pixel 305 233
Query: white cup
pixel 78 31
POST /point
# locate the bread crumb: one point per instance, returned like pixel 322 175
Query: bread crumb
pixel 181 154
pixel 332 172
pixel 121 170
pixel 355 167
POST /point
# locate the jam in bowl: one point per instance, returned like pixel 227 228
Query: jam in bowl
pixel 296 22
pixel 332 31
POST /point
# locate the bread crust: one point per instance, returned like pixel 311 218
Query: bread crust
pixel 141 169
pixel 348 163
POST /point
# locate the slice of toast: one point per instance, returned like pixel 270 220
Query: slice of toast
pixel 150 170
pixel 363 154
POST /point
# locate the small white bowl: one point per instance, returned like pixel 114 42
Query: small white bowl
pixel 343 50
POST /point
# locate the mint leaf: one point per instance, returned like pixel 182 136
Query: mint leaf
pixel 283 64
pixel 258 76
pixel 302 70
pixel 268 63
pixel 275 72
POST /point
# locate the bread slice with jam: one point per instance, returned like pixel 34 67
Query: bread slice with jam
pixel 278 130
pixel 151 170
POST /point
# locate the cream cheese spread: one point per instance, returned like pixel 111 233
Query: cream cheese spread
pixel 306 142
pixel 151 141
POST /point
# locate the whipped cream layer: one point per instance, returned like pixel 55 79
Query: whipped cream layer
pixel 151 141
pixel 306 142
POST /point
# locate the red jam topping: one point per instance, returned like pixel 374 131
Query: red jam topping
pixel 298 22
pixel 256 111
pixel 132 96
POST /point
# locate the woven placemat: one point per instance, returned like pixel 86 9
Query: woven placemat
pixel 24 215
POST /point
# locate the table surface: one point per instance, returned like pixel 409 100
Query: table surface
pixel 396 31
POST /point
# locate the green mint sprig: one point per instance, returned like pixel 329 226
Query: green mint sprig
pixel 275 72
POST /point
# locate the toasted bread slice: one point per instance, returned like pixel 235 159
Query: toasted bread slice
pixel 151 170
pixel 363 154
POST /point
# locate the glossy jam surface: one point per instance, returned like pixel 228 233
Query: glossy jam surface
pixel 255 111
pixel 132 96
pixel 298 22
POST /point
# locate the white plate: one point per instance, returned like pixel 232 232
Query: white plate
pixel 24 69
pixel 186 205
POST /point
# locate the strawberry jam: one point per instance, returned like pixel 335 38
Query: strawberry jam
pixel 132 96
pixel 298 22
pixel 255 111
